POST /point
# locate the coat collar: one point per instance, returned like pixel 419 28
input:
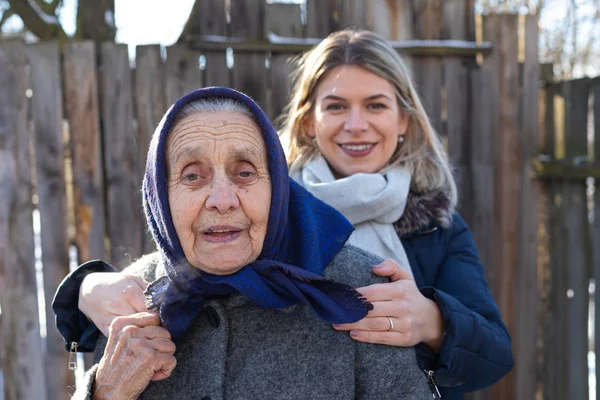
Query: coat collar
pixel 425 211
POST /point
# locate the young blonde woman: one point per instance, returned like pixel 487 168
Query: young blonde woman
pixel 359 139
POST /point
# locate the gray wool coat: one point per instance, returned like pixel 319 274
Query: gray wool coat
pixel 236 350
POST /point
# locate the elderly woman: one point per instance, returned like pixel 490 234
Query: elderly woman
pixel 251 271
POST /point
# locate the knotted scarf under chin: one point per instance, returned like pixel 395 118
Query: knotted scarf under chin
pixel 265 283
pixel 318 233
pixel 303 236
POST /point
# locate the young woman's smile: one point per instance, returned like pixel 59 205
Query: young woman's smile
pixel 356 120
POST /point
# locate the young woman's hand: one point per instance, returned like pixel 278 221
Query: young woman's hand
pixel 138 351
pixel 401 315
pixel 103 296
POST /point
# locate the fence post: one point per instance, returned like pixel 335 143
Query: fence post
pixel 123 191
pixel 527 300
pixel 249 71
pixel 596 235
pixel 503 68
pixel 457 84
pixel 283 20
pixel 81 98
pixel 428 76
pixel 47 113
pixel 21 347
pixel 150 106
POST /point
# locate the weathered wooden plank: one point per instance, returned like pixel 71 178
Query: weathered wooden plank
pixel 281 83
pixel 208 17
pixel 123 199
pixel 247 18
pixel 527 270
pixel 555 365
pixel 482 168
pixel 578 250
pixel 565 347
pixel 548 310
pixel 393 19
pixel 81 97
pixel 21 347
pixel 547 110
pixel 595 89
pixel 323 17
pixel 428 17
pixel 277 44
pixel 249 71
pixel 216 72
pixel 596 232
pixel 150 96
pixel 182 74
pixel 502 29
pixel 285 20
pixel 457 84
pixel 354 14
pixel 47 113
pixel 577 293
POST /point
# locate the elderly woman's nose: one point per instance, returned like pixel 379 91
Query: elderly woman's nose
pixel 356 121
pixel 222 195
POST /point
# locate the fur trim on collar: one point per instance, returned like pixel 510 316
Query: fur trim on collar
pixel 425 210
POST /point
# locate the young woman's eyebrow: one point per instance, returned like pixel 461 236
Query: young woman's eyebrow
pixel 374 97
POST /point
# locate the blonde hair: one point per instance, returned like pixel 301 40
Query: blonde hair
pixel 421 152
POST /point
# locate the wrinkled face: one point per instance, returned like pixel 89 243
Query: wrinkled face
pixel 219 190
pixel 356 120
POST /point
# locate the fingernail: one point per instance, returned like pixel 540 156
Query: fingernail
pixel 335 325
pixel 354 333
pixel 379 266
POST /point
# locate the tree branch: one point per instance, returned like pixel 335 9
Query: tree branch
pixel 6 15
pixel 48 8
pixel 42 25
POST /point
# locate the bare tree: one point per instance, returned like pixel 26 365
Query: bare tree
pixel 572 44
pixel 95 18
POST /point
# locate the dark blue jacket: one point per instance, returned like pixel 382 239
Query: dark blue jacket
pixel 476 350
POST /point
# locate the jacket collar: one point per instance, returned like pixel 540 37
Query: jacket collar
pixel 425 211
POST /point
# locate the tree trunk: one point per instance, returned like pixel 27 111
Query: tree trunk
pixel 44 26
pixel 96 20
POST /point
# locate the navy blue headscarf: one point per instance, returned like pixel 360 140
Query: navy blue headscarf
pixel 303 236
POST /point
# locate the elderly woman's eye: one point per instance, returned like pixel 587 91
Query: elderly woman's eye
pixel 191 177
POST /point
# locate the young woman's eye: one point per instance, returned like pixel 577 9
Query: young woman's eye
pixel 334 107
pixel 377 106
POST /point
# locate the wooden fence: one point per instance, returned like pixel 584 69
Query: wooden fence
pixel 75 124
pixel 570 235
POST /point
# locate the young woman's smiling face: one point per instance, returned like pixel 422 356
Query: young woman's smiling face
pixel 219 190
pixel 356 120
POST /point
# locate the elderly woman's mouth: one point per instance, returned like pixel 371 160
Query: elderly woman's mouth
pixel 221 234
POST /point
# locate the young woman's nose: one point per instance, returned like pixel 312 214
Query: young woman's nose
pixel 222 196
pixel 355 121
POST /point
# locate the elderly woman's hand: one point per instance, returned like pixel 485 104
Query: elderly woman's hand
pixel 138 351
pixel 401 315
pixel 103 296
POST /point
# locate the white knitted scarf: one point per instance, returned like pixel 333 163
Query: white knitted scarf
pixel 371 202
